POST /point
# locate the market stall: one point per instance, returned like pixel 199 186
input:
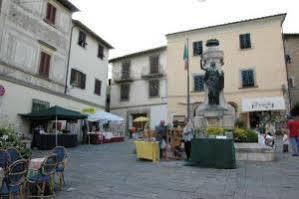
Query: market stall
pixel 112 128
pixel 45 138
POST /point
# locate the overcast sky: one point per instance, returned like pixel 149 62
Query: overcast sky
pixel 134 25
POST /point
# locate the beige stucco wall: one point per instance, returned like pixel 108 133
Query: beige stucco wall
pixel 266 57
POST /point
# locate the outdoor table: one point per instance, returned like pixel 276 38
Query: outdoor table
pixel 214 153
pixel 48 141
pixel 148 150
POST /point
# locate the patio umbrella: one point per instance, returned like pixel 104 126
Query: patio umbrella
pixel 141 119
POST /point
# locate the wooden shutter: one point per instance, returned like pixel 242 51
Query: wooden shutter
pixel 154 64
pixel 53 15
pixel 42 63
pixel 73 76
pixel 101 51
pixel 47 65
pixel 48 16
pixel 98 87
pixel 83 81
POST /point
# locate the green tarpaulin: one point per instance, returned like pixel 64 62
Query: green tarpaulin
pixel 53 113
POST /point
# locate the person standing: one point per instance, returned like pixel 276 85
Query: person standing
pixel 188 136
pixel 161 136
pixel 285 142
pixel 293 127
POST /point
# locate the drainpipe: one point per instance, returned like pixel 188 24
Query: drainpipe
pixel 68 60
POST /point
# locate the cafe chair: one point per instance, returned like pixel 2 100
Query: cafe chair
pixel 4 159
pixel 14 154
pixel 61 153
pixel 44 177
pixel 14 179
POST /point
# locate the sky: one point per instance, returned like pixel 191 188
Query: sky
pixel 135 25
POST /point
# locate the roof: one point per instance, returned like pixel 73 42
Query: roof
pixel 92 33
pixel 69 5
pixel 231 23
pixel 137 54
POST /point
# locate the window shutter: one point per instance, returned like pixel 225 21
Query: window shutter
pixel 53 15
pixel 47 65
pixel 73 76
pixel 248 42
pixel 42 63
pixel 83 81
pixel 49 10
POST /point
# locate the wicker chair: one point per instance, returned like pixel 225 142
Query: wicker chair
pixel 14 179
pixel 45 176
pixel 61 153
pixel 14 154
pixel 4 159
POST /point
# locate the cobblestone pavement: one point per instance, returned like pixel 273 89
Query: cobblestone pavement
pixel 112 171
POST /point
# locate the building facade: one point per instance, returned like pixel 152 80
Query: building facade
pixel 291 42
pixel 139 86
pixel 254 67
pixel 35 40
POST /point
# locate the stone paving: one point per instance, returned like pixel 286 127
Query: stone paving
pixel 112 171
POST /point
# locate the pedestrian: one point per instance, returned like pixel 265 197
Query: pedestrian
pixel 188 136
pixel 285 142
pixel 293 127
pixel 161 136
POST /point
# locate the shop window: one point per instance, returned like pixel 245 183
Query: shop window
pixel 124 92
pixel 100 51
pixel 97 87
pixel 154 64
pixel 44 66
pixel 247 78
pixel 245 41
pixel 51 14
pixel 154 88
pixel 197 48
pixel 125 73
pixel 39 105
pixel 82 39
pixel 78 79
pixel 198 83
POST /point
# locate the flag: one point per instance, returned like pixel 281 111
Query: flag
pixel 186 57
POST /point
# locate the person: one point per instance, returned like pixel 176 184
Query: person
pixel 285 142
pixel 293 127
pixel 188 136
pixel 161 136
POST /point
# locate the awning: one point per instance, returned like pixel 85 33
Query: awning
pixel 104 117
pixel 263 104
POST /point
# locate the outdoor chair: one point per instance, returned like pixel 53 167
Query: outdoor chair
pixel 44 177
pixel 14 154
pixel 15 178
pixel 4 159
pixel 61 153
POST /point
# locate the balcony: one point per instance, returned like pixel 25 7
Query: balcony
pixel 122 78
pixel 154 72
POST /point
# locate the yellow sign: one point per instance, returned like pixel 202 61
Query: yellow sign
pixel 89 110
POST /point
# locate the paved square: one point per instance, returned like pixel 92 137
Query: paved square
pixel 112 171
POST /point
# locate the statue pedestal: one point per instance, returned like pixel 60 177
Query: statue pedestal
pixel 214 116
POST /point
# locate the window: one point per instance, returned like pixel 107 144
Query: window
pixel 98 87
pixel 288 59
pixel 197 48
pixel 101 51
pixel 82 39
pixel 78 79
pixel 154 64
pixel 247 78
pixel 44 66
pixel 125 73
pixel 291 82
pixel 198 83
pixel 124 92
pixel 39 105
pixel 51 13
pixel 154 88
pixel 245 41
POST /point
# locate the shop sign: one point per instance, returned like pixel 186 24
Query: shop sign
pixel 89 111
pixel 2 90
pixel 263 104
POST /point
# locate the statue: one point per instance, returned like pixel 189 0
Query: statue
pixel 214 76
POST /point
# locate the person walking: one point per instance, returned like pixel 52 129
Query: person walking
pixel 188 136
pixel 285 142
pixel 161 132
pixel 293 127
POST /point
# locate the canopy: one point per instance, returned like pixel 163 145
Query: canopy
pixel 141 119
pixel 104 116
pixel 263 104
pixel 53 113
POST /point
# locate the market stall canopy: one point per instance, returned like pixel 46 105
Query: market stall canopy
pixel 141 119
pixel 263 104
pixel 55 112
pixel 104 116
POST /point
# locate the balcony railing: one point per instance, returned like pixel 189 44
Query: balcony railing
pixel 122 77
pixel 157 72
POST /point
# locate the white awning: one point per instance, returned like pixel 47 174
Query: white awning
pixel 263 104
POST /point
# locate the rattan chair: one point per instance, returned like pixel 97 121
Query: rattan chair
pixel 4 159
pixel 61 153
pixel 14 154
pixel 45 176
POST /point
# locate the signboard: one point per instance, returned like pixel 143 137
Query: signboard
pixel 89 110
pixel 263 104
pixel 2 90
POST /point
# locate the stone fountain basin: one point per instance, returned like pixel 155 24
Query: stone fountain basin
pixel 254 152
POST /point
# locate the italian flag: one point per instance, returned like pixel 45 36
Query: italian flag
pixel 186 57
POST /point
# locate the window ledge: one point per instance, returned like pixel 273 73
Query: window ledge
pixel 154 97
pixel 245 49
pixel 250 87
pixel 50 23
pixel 200 92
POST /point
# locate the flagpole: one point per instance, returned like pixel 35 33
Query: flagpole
pixel 188 84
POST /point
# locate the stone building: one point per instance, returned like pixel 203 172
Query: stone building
pixel 139 86
pixel 254 67
pixel 35 40
pixel 291 42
